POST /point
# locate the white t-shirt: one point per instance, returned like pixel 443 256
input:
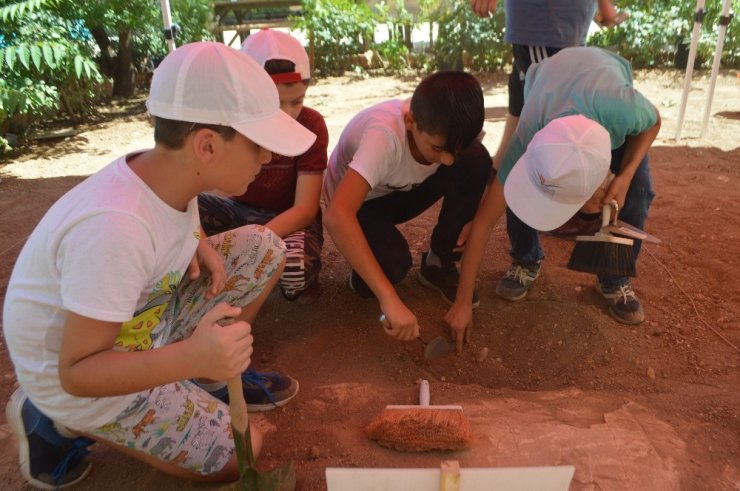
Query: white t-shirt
pixel 375 145
pixel 111 250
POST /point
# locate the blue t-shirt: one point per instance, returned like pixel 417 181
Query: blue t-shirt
pixel 593 82
pixel 551 23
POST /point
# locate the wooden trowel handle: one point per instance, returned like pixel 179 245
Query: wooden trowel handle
pixel 237 404
pixel 424 393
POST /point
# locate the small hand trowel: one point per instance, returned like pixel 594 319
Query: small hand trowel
pixel 435 348
pixel 621 228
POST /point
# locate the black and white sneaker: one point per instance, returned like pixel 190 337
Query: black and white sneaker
pixel 444 279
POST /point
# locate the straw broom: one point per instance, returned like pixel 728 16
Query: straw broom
pixel 421 428
pixel 603 253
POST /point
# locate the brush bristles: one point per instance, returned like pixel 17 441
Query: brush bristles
pixel 606 258
pixel 420 429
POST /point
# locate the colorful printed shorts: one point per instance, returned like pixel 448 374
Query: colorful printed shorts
pixel 180 423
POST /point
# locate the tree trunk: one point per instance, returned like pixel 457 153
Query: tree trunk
pixel 107 53
pixel 124 77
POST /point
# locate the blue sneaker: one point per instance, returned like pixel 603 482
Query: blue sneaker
pixel 517 280
pixel 624 306
pixel 48 460
pixel 263 390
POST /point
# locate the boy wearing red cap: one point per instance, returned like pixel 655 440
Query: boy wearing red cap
pixel 285 195
pixel 117 300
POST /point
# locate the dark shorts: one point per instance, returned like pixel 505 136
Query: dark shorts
pixel 523 57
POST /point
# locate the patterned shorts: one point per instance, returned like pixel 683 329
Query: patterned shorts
pixel 180 423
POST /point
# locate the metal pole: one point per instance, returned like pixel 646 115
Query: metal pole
pixel 167 19
pixel 724 21
pixel 698 19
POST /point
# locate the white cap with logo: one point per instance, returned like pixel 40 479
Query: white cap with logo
pixel 268 44
pixel 210 83
pixel 563 166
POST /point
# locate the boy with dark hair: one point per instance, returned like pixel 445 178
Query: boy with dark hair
pixel 582 118
pixel 285 194
pixel 117 300
pixel 392 162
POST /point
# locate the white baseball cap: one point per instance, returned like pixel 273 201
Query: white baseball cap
pixel 564 164
pixel 267 44
pixel 210 83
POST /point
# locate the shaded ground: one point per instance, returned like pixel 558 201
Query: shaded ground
pixel 649 407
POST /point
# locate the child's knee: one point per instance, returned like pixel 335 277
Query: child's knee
pixel 255 248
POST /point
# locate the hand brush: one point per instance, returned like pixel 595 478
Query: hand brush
pixel 603 253
pixel 421 428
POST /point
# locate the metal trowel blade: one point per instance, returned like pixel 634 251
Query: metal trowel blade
pixel 437 347
pixel 631 231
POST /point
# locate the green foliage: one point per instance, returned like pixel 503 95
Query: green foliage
pixel 651 36
pixel 194 18
pixel 339 29
pixel 46 65
pixel 464 39
pixel 396 55
pixel 15 11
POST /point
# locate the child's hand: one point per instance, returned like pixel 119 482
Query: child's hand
pixel 617 191
pixel 484 8
pixel 223 348
pixel 212 261
pixel 463 237
pixel 460 320
pixel 400 323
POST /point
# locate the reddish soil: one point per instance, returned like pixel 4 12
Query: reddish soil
pixel 655 406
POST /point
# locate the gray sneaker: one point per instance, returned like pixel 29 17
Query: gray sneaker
pixel 624 305
pixel 517 280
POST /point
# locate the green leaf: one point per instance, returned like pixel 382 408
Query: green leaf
pixel 86 67
pixel 48 55
pixel 23 55
pixel 36 56
pixel 9 56
pixel 59 52
pixel 78 66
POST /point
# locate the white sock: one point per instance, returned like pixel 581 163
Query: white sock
pixel 433 259
pixel 210 386
pixel 64 431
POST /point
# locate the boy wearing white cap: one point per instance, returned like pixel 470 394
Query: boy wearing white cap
pixel 582 117
pixel 285 195
pixel 117 299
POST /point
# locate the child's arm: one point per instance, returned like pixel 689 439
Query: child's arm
pixel 304 209
pixel 635 149
pixel 491 208
pixel 341 222
pixel 89 367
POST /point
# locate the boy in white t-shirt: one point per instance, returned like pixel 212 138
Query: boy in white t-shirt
pixel 117 299
pixel 392 162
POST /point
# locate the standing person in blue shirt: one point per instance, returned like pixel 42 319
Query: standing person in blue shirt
pixel 582 118
pixel 537 29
